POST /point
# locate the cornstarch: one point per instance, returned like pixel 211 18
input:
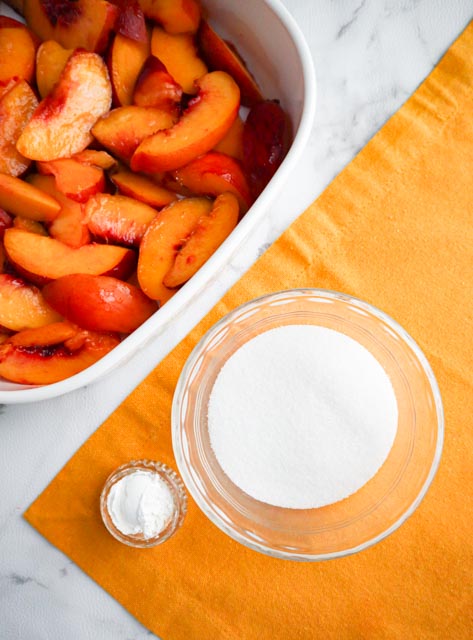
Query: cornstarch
pixel 302 416
pixel 140 503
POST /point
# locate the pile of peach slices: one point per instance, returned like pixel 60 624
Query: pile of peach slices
pixel 132 140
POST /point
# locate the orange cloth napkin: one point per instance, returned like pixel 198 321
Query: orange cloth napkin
pixel 395 228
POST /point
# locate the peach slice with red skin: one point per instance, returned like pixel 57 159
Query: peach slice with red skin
pixel 40 364
pixel 17 50
pixel 162 240
pixel 16 108
pixel 123 129
pixel 180 56
pixel 264 134
pixel 118 219
pixel 142 188
pixel 176 16
pixel 125 61
pixel 100 159
pixel 44 336
pixel 83 24
pixel 202 125
pixel 131 21
pixel 22 199
pixel 211 230
pixel 61 124
pixel 155 87
pixel 22 305
pixel 214 173
pixel 99 303
pixel 42 259
pixel 220 56
pixel 69 225
pixel 51 58
pixel 75 180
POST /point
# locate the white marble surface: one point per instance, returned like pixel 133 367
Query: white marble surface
pixel 370 56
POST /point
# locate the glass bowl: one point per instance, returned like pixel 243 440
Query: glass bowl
pixel 375 510
pixel 176 489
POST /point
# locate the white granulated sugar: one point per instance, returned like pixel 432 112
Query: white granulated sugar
pixel 302 416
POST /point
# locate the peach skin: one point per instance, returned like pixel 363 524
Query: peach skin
pixel 99 303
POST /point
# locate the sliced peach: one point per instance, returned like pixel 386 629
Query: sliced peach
pixel 264 134
pixel 17 50
pixel 176 16
pixel 43 258
pixel 155 87
pixel 16 108
pixel 6 222
pixel 203 124
pixel 33 226
pixel 163 239
pixel 2 260
pixel 75 180
pixel 214 173
pixel 22 305
pixel 232 142
pixel 51 58
pixel 99 303
pixel 23 199
pixel 123 129
pixel 118 218
pixel 61 124
pixel 95 158
pixel 69 225
pixel 52 363
pixel 220 56
pixel 83 24
pixel 142 188
pixel 125 61
pixel 179 55
pixel 44 336
pixel 131 20
pixel 209 233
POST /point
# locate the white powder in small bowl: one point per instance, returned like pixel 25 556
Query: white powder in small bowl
pixel 302 416
pixel 140 503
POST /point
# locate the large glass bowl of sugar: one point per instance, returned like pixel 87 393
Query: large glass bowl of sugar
pixel 347 525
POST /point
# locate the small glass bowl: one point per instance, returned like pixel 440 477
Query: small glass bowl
pixel 176 488
pixel 365 517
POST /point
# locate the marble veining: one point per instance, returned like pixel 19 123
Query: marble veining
pixel 370 55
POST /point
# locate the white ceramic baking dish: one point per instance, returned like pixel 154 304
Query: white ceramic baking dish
pixel 272 45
